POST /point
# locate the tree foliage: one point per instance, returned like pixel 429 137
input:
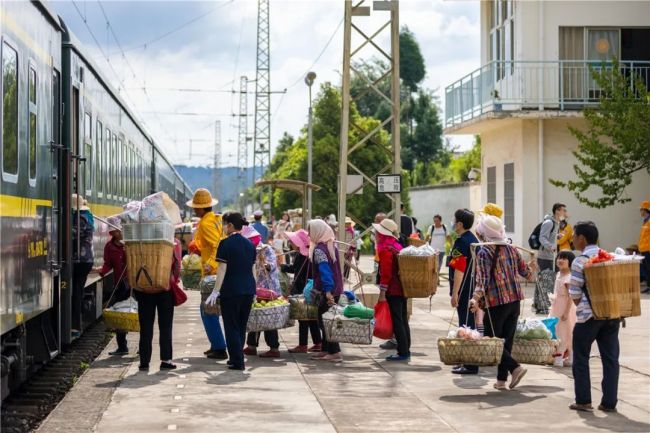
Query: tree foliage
pixel 616 143
pixel 411 62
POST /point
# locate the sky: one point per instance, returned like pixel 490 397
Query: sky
pixel 158 53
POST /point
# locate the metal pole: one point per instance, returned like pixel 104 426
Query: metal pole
pixel 345 119
pixel 395 95
pixel 310 144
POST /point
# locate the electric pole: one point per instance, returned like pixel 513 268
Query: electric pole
pixel 262 137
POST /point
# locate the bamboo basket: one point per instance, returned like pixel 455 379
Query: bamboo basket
pixel 149 265
pixel 301 310
pixel 418 275
pixel 614 289
pixel 486 351
pixel 415 242
pixel 121 320
pixel 340 329
pixel 269 318
pixel 537 352
pixel 210 310
pixel 191 278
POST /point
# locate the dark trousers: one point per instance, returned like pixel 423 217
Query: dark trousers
pixel 148 303
pixel 646 268
pixel 544 264
pixel 271 337
pixel 465 317
pixel 234 312
pixel 501 322
pixel 401 329
pixel 122 292
pixel 308 326
pixel 327 346
pixel 80 273
pixel 605 333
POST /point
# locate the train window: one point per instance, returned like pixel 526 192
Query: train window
pixel 122 165
pixel 99 161
pixel 56 108
pixel 116 163
pixel 33 121
pixel 10 110
pixel 108 161
pixel 88 153
pixel 128 171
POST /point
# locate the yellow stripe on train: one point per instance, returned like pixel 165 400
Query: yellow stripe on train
pixel 13 206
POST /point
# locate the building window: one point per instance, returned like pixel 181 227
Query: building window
pixel 10 110
pixel 509 196
pixel 502 44
pixel 492 184
pixel 33 122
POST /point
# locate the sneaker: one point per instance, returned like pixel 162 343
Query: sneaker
pixel 273 353
pixel 398 358
pixel 558 361
pixel 389 344
pixel 167 366
pixel 316 348
pixel 299 349
pixel 119 352
pixel 207 352
pixel 336 357
pixel 143 367
pixel 218 354
pixel 607 409
pixel 582 407
pixel 236 367
pixel 250 351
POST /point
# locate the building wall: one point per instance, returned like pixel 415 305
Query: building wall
pixel 443 200
pixel 517 141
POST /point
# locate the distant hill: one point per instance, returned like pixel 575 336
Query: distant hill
pixel 231 185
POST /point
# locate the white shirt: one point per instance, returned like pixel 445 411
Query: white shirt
pixel 438 238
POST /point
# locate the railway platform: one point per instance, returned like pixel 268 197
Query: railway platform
pixel 362 394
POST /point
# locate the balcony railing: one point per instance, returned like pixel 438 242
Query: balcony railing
pixel 529 85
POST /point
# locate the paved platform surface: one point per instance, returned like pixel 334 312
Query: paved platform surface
pixel 362 394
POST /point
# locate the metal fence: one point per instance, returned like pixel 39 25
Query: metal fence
pixel 529 85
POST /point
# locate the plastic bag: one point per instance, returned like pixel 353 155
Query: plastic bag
pixel 532 329
pixel 127 306
pixel 307 292
pixel 383 321
pixel 263 294
pixel 358 311
pixel 207 283
pixel 191 262
pixel 550 323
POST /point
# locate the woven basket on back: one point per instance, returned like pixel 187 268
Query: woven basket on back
pixel 486 351
pixel 191 278
pixel 418 275
pixel 149 265
pixel 341 329
pixel 121 321
pixel 614 289
pixel 301 310
pixel 538 351
pixel 415 242
pixel 268 318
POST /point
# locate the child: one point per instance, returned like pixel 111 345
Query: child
pixel 564 309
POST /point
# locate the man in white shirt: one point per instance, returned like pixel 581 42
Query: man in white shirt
pixel 437 237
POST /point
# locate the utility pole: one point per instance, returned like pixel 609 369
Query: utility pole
pixel 262 137
pixel 370 38
pixel 216 175
pixel 242 142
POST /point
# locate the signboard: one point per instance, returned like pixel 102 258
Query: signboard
pixel 389 183
pixel 355 183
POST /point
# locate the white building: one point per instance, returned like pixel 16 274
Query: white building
pixel 533 83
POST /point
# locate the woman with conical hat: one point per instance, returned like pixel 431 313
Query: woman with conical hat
pixel 209 233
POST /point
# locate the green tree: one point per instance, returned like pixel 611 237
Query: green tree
pixel 411 63
pixel 616 142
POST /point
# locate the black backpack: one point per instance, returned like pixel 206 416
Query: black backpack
pixel 533 239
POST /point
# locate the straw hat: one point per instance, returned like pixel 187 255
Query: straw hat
pixel 645 204
pixel 79 200
pixel 348 220
pixel 386 227
pixel 492 209
pixel 202 199
pixel 114 223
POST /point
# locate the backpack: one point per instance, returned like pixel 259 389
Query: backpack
pixel 533 239
pixel 444 227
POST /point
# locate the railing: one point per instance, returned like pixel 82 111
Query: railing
pixel 529 85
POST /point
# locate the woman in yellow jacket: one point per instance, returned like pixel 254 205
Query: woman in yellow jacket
pixel 644 241
pixel 207 237
pixel 564 236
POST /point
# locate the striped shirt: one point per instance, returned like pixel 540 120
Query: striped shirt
pixel 577 283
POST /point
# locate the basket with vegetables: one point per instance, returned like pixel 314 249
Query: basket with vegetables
pixel 191 271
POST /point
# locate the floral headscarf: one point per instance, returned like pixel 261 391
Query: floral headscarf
pixel 320 232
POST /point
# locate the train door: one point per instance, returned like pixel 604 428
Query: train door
pixel 76 321
pixel 55 221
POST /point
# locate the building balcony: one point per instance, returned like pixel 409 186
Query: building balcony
pixel 502 88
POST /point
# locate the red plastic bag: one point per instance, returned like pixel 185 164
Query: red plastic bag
pixel 263 294
pixel 383 321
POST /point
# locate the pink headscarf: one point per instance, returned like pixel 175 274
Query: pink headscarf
pixel 491 228
pixel 320 232
pixel 251 234
pixel 385 242
pixel 300 239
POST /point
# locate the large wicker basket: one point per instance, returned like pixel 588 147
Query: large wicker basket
pixel 121 320
pixel 341 329
pixel 538 352
pixel 191 278
pixel 418 275
pixel 415 242
pixel 614 289
pixel 149 265
pixel 486 351
pixel 301 310
pixel 268 318
pixel 210 310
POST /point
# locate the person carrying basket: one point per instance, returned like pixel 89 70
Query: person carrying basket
pixel 497 290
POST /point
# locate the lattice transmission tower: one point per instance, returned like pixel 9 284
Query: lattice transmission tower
pixel 242 142
pixel 216 174
pixel 262 137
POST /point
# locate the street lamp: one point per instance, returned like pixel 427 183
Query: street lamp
pixel 309 80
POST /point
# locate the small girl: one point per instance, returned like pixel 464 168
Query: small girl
pixel 563 308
